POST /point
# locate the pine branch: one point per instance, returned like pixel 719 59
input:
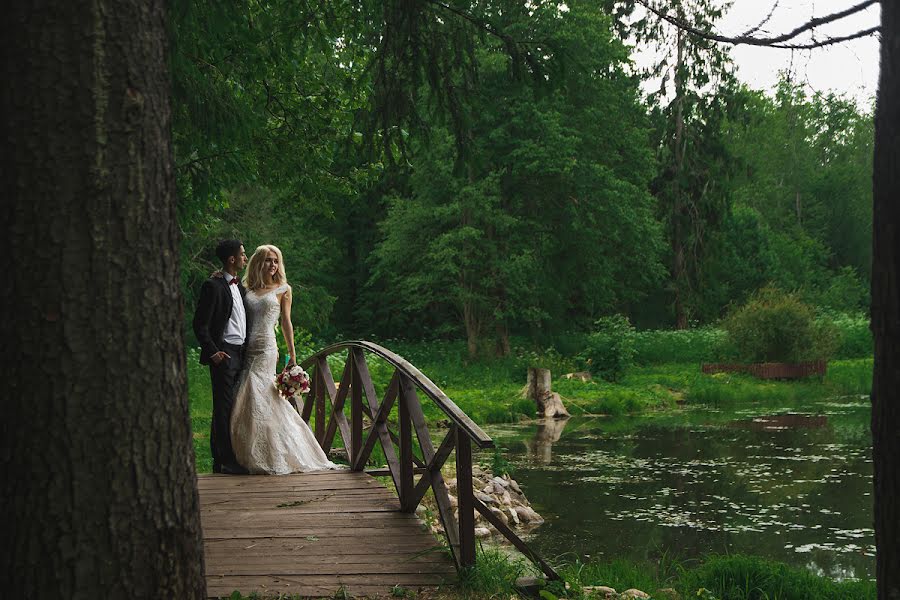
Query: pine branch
pixel 829 40
pixel 775 41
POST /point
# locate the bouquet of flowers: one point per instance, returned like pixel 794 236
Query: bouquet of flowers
pixel 292 383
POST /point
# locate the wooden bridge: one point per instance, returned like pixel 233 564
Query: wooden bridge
pixel 317 534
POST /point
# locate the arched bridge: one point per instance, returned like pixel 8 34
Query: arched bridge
pixel 314 534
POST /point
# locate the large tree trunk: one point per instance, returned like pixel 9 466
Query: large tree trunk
pixel 538 388
pixel 473 327
pixel 99 482
pixel 886 308
pixel 679 270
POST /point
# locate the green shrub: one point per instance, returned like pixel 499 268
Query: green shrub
pixel 775 326
pixel 753 578
pixel 845 291
pixel 854 335
pixel 610 348
pixel 655 347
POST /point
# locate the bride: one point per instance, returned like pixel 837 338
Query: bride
pixel 267 433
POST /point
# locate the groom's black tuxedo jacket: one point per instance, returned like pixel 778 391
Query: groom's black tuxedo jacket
pixel 212 314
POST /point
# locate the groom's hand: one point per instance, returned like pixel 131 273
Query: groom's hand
pixel 218 357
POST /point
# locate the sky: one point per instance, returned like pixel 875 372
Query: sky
pixel 850 67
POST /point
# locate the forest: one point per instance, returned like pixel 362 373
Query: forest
pixel 529 185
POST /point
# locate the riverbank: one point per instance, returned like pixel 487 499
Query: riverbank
pixel 716 577
pixel 490 391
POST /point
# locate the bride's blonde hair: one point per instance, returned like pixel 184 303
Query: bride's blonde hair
pixel 255 277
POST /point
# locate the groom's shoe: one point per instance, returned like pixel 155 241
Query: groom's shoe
pixel 217 468
pixel 233 469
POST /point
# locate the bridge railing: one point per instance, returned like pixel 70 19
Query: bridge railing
pixel 403 464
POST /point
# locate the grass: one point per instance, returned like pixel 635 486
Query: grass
pixel 733 577
pixel 200 402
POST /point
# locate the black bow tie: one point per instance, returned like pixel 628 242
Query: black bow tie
pixel 234 281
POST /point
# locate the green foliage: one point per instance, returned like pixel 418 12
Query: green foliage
pixel 854 333
pixel 755 578
pixel 843 378
pixel 304 345
pixel 843 292
pixel 734 577
pixel 517 237
pixel 200 403
pixel 774 326
pixel 610 348
pixel 705 344
pixel 493 576
pixel 518 188
pixel 498 464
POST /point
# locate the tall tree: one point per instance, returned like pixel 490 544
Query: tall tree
pixel 527 236
pixel 694 169
pixel 99 483
pixel 886 308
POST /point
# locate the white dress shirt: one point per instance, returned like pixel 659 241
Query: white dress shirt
pixel 236 328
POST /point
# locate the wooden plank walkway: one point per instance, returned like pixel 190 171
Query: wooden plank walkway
pixel 313 534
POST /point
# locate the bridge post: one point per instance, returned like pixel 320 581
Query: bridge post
pixel 356 408
pixel 465 497
pixel 406 491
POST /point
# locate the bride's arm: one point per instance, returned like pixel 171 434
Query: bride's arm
pixel 287 328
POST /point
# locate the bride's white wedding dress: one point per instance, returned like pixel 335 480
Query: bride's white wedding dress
pixel 267 433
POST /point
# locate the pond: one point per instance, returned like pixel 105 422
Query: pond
pixel 791 484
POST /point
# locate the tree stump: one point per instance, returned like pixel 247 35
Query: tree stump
pixel 548 402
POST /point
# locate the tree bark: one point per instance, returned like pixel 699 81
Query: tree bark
pixel 679 271
pixel 886 309
pixel 473 327
pixel 502 331
pixel 538 388
pixel 99 481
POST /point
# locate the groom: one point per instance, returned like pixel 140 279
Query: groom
pixel 220 324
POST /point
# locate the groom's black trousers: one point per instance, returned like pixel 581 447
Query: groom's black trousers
pixel 224 387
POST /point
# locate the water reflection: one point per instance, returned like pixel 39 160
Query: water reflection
pixel 785 421
pixel 547 432
pixel 793 485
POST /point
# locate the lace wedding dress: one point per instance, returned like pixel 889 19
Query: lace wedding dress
pixel 267 433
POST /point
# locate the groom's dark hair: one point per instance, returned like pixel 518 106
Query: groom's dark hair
pixel 228 248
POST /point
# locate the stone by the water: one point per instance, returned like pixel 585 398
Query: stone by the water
pixel 599 591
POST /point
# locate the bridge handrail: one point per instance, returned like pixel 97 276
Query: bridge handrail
pixel 453 412
pixel 401 461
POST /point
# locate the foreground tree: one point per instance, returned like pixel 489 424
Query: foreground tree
pixel 886 308
pixel 98 464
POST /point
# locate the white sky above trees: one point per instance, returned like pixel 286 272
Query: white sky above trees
pixel 849 67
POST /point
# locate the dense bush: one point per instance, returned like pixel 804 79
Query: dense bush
pixel 854 335
pixel 776 326
pixel 610 348
pixel 706 344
